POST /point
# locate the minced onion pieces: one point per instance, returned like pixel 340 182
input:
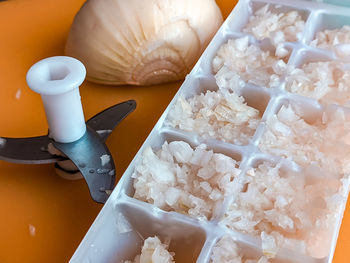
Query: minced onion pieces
pixel 153 250
pixel 331 38
pixel 325 143
pixel 227 250
pixel 325 81
pixel 290 209
pixel 238 62
pixel 221 114
pixel 186 180
pixel 278 26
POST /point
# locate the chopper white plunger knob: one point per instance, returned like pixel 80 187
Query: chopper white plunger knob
pixel 57 80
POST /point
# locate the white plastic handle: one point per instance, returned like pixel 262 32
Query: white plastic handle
pixel 57 80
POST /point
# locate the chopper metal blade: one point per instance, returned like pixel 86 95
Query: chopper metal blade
pixel 105 121
pixel 31 150
pixel 89 154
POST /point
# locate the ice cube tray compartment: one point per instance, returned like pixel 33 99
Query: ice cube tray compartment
pixel 328 21
pixel 309 55
pixel 255 97
pixel 249 251
pixel 124 222
pixel 203 67
pixel 185 238
pixel 317 185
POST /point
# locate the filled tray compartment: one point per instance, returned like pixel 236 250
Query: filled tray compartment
pixel 220 114
pixel 330 32
pixel 278 22
pixel 317 75
pixel 306 133
pixel 189 179
pixel 182 237
pixel 228 249
pixel 293 211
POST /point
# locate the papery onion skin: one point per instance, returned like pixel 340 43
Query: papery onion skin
pixel 141 42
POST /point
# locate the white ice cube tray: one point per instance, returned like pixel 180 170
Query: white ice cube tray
pixel 124 222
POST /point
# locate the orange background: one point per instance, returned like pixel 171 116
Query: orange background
pixel 33 195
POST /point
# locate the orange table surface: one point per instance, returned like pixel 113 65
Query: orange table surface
pixel 43 217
